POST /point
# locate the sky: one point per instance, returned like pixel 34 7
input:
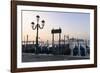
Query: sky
pixel 74 24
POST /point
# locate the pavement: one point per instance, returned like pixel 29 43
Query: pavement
pixel 30 57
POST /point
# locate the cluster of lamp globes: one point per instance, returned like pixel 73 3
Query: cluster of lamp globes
pixel 37 25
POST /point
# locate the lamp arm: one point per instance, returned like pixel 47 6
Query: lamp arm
pixel 41 27
pixel 34 27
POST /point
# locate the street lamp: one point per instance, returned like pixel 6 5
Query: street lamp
pixel 37 26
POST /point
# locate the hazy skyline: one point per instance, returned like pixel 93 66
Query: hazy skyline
pixel 73 24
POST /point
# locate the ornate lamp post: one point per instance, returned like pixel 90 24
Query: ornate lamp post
pixel 37 26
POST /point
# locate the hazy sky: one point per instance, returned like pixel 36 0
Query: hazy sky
pixel 73 24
